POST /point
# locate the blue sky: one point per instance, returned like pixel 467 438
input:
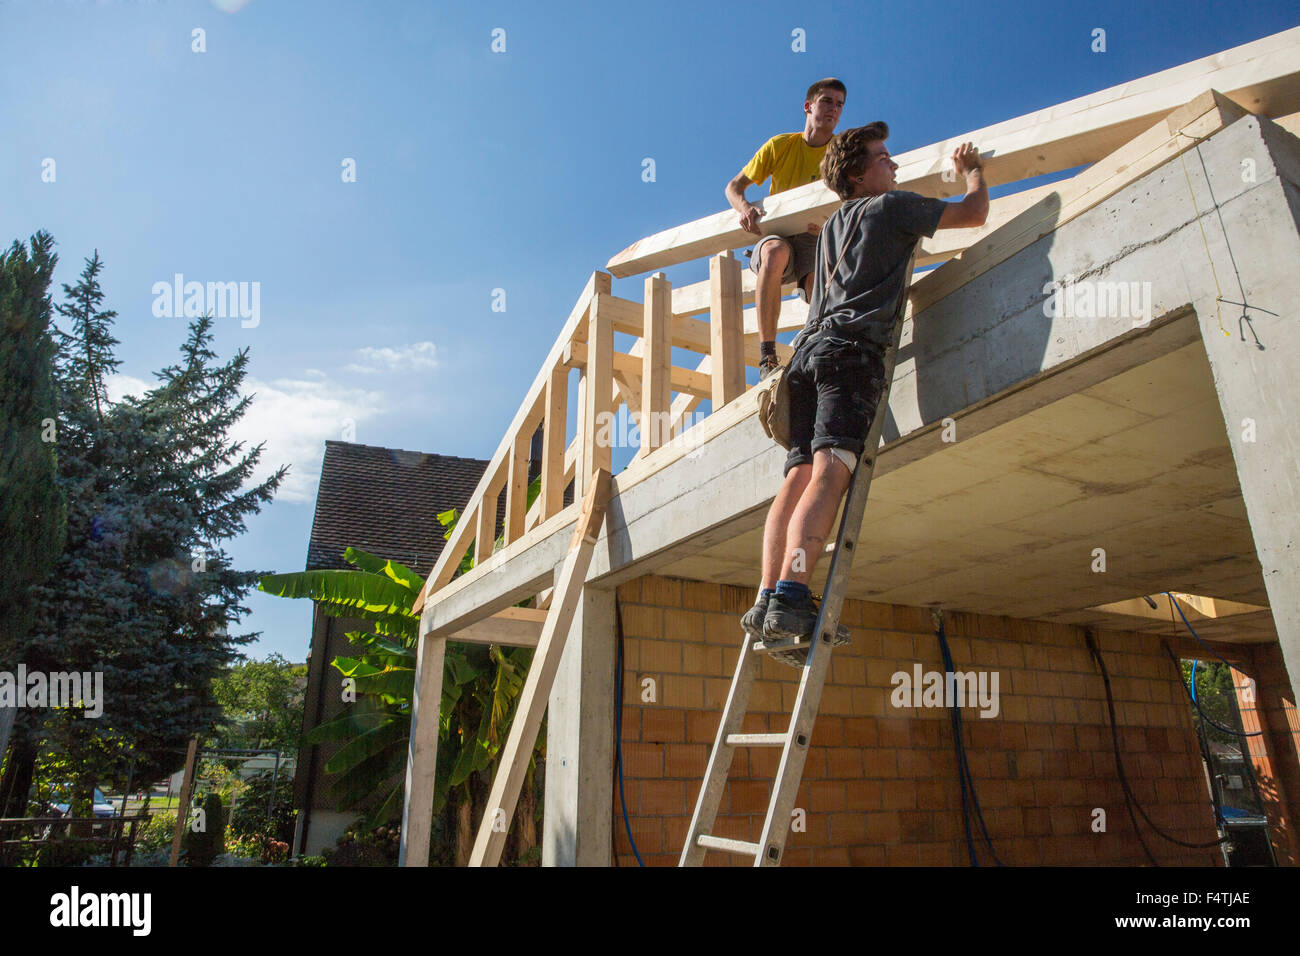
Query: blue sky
pixel 475 170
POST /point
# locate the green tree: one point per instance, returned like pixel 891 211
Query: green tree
pixel 481 686
pixel 143 592
pixel 261 704
pixel 33 521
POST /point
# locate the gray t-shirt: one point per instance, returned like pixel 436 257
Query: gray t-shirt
pixel 864 301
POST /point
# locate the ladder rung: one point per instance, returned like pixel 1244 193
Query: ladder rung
pixel 756 740
pixel 729 846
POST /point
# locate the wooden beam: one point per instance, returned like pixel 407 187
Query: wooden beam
pixel 1261 76
pixel 680 379
pixel 553 446
pixel 514 757
pixel 1178 132
pixel 948 243
pixel 599 376
pixel 656 362
pixel 183 804
pixel 485 530
pixel 726 330
pixel 422 753
pixel 693 334
pixel 457 545
pixel 513 627
pixel 517 486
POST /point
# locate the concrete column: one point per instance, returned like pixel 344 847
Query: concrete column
pixel 1253 168
pixel 580 740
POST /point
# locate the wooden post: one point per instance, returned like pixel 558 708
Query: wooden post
pixel 514 757
pixel 517 486
pixel 553 443
pixel 422 753
pixel 183 808
pixel 655 362
pixel 726 329
pixel 598 412
pixel 485 533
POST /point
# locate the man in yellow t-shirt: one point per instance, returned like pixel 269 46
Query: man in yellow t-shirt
pixel 790 159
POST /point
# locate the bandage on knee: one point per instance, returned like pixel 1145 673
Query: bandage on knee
pixel 849 460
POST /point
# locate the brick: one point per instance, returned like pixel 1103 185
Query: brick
pixel 662 797
pixel 702 660
pixel 860 731
pixel 838 856
pixel 847 828
pixel 905 855
pixel 715 694
pixel 860 794
pixel 681 691
pixel 826 796
pixel 723 630
pixel 686 760
pixel 869 702
pixel 765 696
pixel 663 656
pixel 748 796
pixel 932 795
pixel 848 669
pixel 845 762
pixel 835 700
pixel 643 760
pixel 913 764
pixel 883 827
pixel 648 832
pixel 736 601
pixel 917 827
pixel 912 619
pixel 828 732
pixel 897 795
pixel 893 733
pixel 702 725
pixel 660 725
pixel 642 621
pixel 663 591
pixel 701 596
pixel 880 763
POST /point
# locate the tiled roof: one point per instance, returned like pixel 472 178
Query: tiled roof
pixel 386 501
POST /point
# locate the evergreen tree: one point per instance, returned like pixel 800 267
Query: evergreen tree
pixel 144 591
pixel 32 514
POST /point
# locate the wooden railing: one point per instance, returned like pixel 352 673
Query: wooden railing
pixel 1118 133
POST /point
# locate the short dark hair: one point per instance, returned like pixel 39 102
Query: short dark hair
pixel 830 83
pixel 847 155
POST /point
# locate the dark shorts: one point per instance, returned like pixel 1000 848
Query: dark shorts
pixel 803 255
pixel 835 388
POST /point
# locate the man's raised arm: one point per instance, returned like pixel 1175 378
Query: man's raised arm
pixel 973 210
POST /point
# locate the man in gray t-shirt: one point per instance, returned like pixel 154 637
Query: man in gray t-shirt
pixel 837 376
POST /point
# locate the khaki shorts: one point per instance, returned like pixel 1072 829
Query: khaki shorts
pixel 803 256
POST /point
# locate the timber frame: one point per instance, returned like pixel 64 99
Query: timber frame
pixel 1118 135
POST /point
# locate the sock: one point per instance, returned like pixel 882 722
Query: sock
pixel 792 592
pixel 765 594
pixel 767 350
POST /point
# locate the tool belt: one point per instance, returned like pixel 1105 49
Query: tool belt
pixel 774 406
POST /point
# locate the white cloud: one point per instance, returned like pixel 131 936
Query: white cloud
pixel 295 417
pixel 419 355
pixel 120 386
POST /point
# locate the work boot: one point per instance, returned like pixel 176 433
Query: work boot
pixel 785 621
pixel 766 368
pixel 752 621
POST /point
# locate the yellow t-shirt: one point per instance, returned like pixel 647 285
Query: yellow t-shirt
pixel 788 160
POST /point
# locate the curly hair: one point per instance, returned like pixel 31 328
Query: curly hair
pixel 847 155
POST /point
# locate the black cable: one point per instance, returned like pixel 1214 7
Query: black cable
pixel 618 727
pixel 1129 798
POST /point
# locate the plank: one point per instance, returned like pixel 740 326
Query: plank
pixel 485 520
pixel 551 498
pixel 630 366
pixel 1176 133
pixel 517 486
pixel 183 805
pixel 422 754
pixel 656 360
pixel 1261 75
pixel 513 627
pixel 599 376
pixel 514 758
pixel 726 330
